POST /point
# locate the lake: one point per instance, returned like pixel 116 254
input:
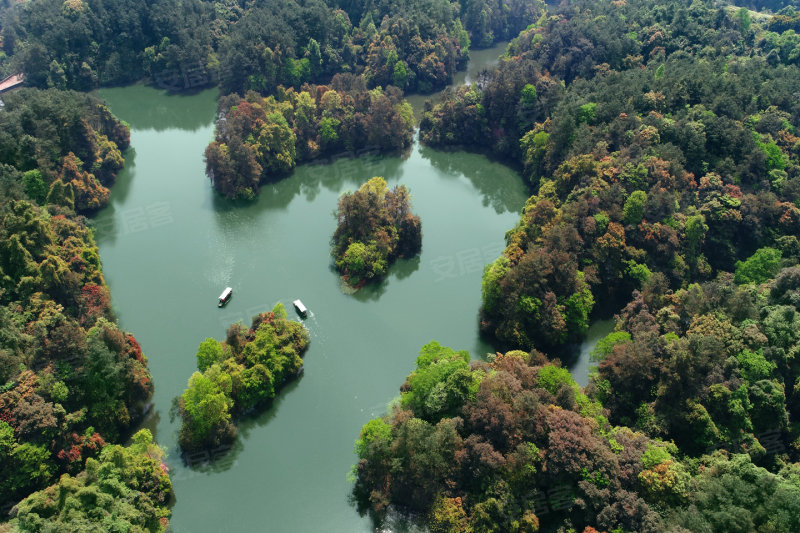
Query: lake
pixel 170 245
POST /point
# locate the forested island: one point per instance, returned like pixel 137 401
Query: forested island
pixel 375 227
pixel 260 140
pixel 659 141
pixel 239 375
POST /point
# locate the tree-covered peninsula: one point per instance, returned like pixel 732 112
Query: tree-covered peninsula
pixel 660 141
pixel 259 139
pixel 65 146
pixel 239 375
pixel 375 226
pixel 71 382
pixel 514 445
pixel 667 143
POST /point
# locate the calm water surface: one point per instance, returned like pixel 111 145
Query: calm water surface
pixel 583 364
pixel 169 246
pixel 478 60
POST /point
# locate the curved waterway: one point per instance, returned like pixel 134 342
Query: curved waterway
pixel 169 245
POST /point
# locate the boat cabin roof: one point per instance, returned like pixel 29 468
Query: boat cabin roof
pixel 299 306
pixel 227 292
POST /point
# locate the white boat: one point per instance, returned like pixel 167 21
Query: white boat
pixel 300 308
pixel 225 296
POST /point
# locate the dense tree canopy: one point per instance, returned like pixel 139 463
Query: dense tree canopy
pixel 261 139
pixel 239 375
pixel 66 146
pixel 514 445
pixel 411 44
pixel 124 489
pixel 658 138
pixel 375 227
pixel 70 380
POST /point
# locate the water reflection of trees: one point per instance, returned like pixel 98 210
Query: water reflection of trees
pixel 501 187
pixel 146 108
pixel 309 179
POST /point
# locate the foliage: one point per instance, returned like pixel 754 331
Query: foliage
pixel 759 267
pixel 70 379
pixel 645 158
pixel 520 454
pixel 375 227
pixel 260 140
pixel 239 375
pixel 707 367
pixel 414 44
pixel 66 138
pixel 124 489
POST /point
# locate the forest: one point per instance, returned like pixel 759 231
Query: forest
pixel 375 227
pixel 660 142
pixel 73 383
pixel 66 146
pixel 261 139
pixel 238 376
pixel 414 45
pixel 514 445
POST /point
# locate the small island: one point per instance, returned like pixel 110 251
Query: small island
pixel 239 375
pixel 375 227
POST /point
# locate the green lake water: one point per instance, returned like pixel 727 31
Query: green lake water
pixel 478 61
pixel 170 245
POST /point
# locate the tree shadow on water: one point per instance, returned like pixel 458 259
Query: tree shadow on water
pixel 393 520
pixel 501 187
pixel 124 180
pixel 403 268
pixel 225 457
pixel 148 108
pixel 265 414
pixel 308 179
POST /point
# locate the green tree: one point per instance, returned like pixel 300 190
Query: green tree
pixel 633 211
pixel 206 405
pixel 34 185
pixel 759 267
pixel 209 352
pixel 529 95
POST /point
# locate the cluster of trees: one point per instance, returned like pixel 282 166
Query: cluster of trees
pixel 70 380
pixel 514 445
pixel 259 139
pixel 123 489
pixel 239 375
pixel 710 366
pixel 658 138
pixel 375 226
pixel 84 44
pixel 60 147
pixel 413 44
